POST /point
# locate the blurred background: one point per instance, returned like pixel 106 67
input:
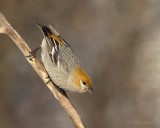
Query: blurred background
pixel 118 44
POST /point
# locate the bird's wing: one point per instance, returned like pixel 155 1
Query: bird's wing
pixel 60 52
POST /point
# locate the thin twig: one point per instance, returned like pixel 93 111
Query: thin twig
pixel 6 28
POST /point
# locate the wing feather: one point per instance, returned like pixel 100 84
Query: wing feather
pixel 60 52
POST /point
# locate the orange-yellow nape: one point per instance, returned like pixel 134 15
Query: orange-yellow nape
pixel 81 75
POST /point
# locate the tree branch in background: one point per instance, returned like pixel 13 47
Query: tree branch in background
pixel 6 28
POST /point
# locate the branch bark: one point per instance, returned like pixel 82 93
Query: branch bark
pixel 6 28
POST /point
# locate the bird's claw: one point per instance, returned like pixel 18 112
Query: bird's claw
pixel 32 54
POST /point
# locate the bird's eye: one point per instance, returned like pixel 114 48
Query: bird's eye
pixel 84 83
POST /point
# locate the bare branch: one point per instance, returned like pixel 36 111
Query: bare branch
pixel 6 28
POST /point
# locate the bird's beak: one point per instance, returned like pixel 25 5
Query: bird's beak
pixel 90 90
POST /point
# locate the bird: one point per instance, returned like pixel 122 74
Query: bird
pixel 61 63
